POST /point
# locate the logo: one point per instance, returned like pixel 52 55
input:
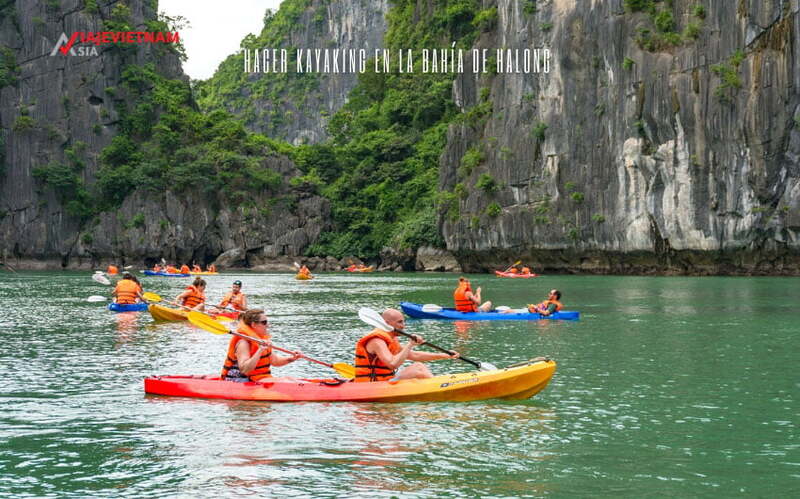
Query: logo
pixel 82 43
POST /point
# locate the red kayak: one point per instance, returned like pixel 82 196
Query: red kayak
pixel 509 274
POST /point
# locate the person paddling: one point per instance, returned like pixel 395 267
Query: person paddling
pixel 304 271
pixel 194 296
pixel 128 290
pixel 156 268
pixel 112 270
pixel 247 360
pixel 212 268
pixel 379 354
pixel 235 298
pixel 526 271
pixel 196 268
pixel 184 269
pixel 550 306
pixel 466 300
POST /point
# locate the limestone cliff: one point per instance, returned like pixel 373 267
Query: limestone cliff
pixel 658 142
pixel 289 106
pixel 62 110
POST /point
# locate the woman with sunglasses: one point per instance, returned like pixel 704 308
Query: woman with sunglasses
pixel 248 360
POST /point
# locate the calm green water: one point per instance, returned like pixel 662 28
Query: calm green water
pixel 666 387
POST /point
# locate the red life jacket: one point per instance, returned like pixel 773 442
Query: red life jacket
pixel 369 366
pixel 262 369
pixel 194 297
pixel 464 304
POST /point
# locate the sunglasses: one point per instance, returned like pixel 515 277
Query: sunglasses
pixel 264 322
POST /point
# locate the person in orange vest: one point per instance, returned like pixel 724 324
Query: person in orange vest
pixel 184 269
pixel 235 297
pixel 466 300
pixel 304 271
pixel 171 269
pixel 212 268
pixel 247 360
pixel 194 296
pixel 112 270
pixel 513 270
pixel 156 268
pixel 550 306
pixel 128 290
pixel 526 270
pixel 196 268
pixel 379 355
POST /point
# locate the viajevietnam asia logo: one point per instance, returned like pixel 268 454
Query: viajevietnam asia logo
pixel 85 43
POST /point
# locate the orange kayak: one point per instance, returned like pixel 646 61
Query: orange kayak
pixel 514 382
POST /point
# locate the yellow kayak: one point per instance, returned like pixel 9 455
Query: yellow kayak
pixel 162 313
pixel 204 273
pixel 303 277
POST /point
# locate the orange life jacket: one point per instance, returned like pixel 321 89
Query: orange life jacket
pixel 369 366
pixel 196 268
pixel 171 269
pixel 156 268
pixel 513 270
pixel 544 305
pixel 126 291
pixel 464 304
pixel 236 300
pixel 194 297
pixel 112 270
pixel 184 269
pixel 526 270
pixel 262 369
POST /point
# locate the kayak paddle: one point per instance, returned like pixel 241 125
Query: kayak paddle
pixel 514 265
pixel 98 277
pixel 96 298
pixel 214 326
pixel 374 319
pixel 152 297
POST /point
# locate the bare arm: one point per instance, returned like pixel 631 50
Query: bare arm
pixel 427 356
pixel 243 358
pixel 378 347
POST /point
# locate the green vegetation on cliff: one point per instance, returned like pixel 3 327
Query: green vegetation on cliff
pixel 381 164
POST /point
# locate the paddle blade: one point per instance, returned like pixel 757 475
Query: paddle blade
pixel 487 366
pixel 374 319
pixel 297 265
pixel 100 278
pixel 431 308
pixel 151 296
pixel 210 324
pixel 345 370
pixel 96 298
pixel 502 308
pixel 223 318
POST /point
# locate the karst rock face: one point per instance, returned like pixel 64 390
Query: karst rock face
pixel 633 158
pixel 51 103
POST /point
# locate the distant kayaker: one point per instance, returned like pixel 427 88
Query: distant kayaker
pixel 171 269
pixel 550 306
pixel 379 354
pixel 194 296
pixel 466 300
pixel 247 360
pixel 156 268
pixel 128 290
pixel 525 271
pixel 112 270
pixel 235 297
pixel 304 271
pixel 196 268
pixel 212 268
pixel 184 269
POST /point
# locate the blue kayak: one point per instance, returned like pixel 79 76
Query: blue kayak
pixel 415 310
pixel 133 307
pixel 164 274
